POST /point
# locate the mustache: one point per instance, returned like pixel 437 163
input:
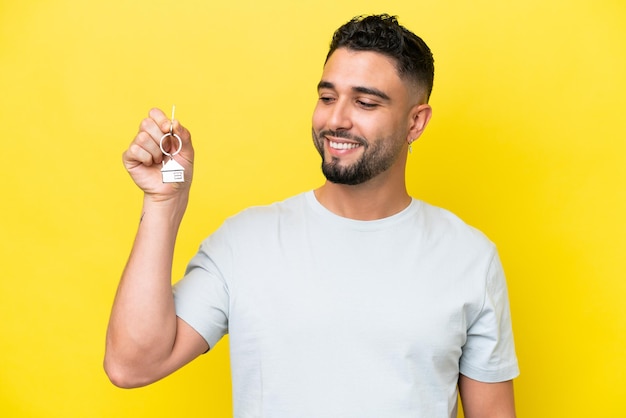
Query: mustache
pixel 343 135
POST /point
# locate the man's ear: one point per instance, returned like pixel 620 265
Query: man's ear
pixel 418 119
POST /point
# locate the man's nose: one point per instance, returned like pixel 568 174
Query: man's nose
pixel 340 116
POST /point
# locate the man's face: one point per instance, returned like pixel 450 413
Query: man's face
pixel 361 120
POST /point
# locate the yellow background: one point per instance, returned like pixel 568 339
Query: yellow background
pixel 527 142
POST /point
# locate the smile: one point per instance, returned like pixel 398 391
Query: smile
pixel 342 145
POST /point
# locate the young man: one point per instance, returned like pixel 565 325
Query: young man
pixel 352 300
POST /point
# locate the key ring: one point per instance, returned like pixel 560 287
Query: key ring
pixel 180 144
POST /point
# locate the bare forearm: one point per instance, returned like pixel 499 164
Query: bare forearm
pixel 142 328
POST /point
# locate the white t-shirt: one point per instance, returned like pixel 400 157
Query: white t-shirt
pixel 333 317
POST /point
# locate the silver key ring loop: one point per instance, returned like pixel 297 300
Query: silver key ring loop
pixel 180 144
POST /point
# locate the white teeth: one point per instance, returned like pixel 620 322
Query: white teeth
pixel 342 145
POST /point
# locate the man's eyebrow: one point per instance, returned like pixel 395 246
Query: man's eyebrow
pixel 372 92
pixel 325 85
pixel 364 90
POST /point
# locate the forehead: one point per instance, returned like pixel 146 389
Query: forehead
pixel 348 68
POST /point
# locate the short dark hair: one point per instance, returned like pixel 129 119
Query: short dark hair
pixel 383 34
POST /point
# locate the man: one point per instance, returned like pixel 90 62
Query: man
pixel 352 300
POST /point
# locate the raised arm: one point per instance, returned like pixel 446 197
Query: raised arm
pixel 145 340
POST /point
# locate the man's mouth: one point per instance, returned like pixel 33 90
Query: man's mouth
pixel 342 145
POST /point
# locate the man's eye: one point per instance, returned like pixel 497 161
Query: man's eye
pixel 325 99
pixel 366 105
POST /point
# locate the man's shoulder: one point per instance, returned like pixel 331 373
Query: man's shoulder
pixel 288 204
pixel 268 213
pixel 441 223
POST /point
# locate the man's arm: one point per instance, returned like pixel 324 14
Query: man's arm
pixel 486 400
pixel 145 339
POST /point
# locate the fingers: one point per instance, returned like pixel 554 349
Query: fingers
pixel 144 150
pixel 162 122
pixel 186 149
pixel 181 131
pixel 146 146
pixel 165 126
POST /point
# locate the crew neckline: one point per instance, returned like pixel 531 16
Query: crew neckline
pixel 410 210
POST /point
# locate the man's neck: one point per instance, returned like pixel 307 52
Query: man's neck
pixel 364 202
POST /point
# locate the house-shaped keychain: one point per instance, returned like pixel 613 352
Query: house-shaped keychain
pixel 173 172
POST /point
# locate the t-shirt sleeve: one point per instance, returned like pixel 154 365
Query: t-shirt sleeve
pixel 489 351
pixel 201 297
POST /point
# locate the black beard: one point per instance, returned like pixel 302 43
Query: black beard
pixel 352 175
pixel 370 164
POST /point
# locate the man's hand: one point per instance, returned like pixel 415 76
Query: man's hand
pixel 143 158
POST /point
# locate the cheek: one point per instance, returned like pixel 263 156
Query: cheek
pixel 318 118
